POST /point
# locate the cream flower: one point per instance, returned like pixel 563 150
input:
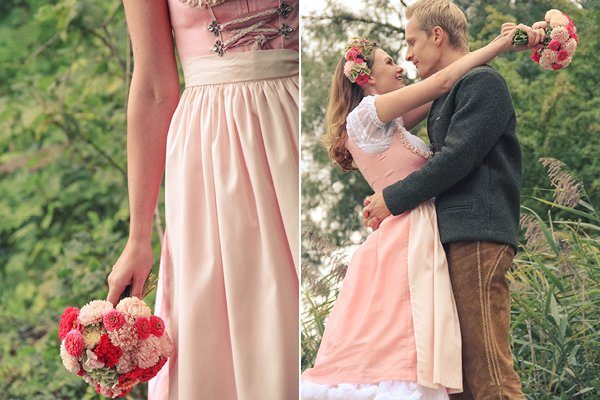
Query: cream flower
pixel 134 307
pixel 558 20
pixel 561 34
pixel 551 14
pixel 545 63
pixel 125 337
pixel 92 361
pixel 549 55
pixel 91 335
pixel 166 345
pixel 93 312
pixel 126 363
pixel 148 352
pixel 566 62
pixel 70 362
pixel 570 46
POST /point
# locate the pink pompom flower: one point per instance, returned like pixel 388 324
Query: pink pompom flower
pixel 142 326
pixel 554 45
pixel 113 320
pixel 74 343
pixel 157 326
pixel 563 55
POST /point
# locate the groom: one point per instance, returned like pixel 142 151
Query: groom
pixel 475 177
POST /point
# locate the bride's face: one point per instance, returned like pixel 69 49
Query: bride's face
pixel 386 75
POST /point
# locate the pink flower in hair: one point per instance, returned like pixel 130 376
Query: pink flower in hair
pixel 362 80
pixel 348 68
pixel 353 53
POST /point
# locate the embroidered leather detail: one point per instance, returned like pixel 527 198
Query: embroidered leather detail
pixel 214 27
pixel 202 3
pixel 284 9
pixel 251 29
pixel 286 31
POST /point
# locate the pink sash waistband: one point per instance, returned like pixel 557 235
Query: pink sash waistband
pixel 240 66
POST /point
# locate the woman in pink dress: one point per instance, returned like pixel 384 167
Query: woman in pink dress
pixel 228 281
pixel 393 332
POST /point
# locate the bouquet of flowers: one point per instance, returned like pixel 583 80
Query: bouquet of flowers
pixel 113 348
pixel 560 44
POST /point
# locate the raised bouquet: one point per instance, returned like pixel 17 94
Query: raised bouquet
pixel 113 348
pixel 560 44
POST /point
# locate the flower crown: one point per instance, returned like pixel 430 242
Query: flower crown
pixel 358 50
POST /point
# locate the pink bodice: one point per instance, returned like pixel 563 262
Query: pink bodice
pixel 387 167
pixel 193 39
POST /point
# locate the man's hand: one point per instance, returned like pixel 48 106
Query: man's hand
pixel 375 211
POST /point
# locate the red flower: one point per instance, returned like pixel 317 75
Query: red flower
pixel 569 18
pixel 142 326
pixel 535 56
pixel 359 60
pixel 68 321
pixel 139 375
pixel 574 36
pixel 157 326
pixel 556 66
pixel 107 352
pixel 554 45
pixel 81 372
pixel 74 343
pixel 570 27
pixel 113 320
pixel 353 53
pixel 563 55
pixel 362 80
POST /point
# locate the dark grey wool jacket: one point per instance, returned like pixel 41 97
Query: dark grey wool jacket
pixel 475 173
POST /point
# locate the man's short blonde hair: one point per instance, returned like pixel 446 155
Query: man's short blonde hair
pixel 442 13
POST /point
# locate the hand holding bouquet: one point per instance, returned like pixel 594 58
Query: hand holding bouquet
pixel 113 348
pixel 560 44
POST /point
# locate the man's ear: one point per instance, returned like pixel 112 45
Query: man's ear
pixel 438 35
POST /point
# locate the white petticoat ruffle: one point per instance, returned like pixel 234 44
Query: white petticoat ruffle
pixel 385 390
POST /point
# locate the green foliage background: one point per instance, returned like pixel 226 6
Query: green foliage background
pixel 65 67
pixel 555 322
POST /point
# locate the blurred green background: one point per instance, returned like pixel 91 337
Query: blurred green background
pixel 65 67
pixel 555 292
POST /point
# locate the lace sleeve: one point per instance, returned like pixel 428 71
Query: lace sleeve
pixel 365 128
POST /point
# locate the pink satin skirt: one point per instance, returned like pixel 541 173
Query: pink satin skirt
pixel 228 283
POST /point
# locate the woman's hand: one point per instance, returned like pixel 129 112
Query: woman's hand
pixel 132 268
pixel 536 36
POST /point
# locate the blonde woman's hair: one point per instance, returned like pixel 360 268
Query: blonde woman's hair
pixel 445 14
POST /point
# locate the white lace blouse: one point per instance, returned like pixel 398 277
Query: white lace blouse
pixel 370 134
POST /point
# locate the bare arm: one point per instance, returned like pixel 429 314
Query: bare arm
pixel 152 100
pixel 399 102
pixel 394 104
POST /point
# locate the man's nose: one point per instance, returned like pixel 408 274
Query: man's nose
pixel 409 55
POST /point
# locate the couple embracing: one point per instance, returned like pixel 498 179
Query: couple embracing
pixel 425 306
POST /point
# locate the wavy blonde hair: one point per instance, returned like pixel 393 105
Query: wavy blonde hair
pixel 344 96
